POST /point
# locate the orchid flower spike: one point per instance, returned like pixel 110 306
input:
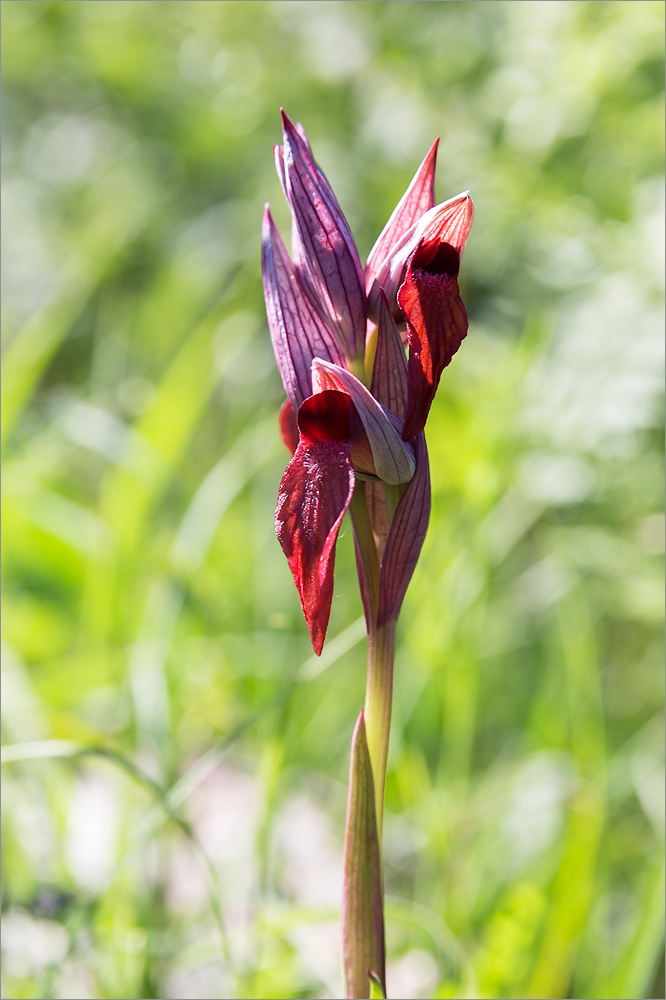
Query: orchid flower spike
pixel 332 323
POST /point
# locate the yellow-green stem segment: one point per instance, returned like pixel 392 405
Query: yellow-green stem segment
pixel 381 651
pixel 378 701
pixel 363 899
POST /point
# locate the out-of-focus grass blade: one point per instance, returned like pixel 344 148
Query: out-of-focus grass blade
pixel 574 886
pixel 38 750
pixel 637 970
pixel 571 899
pixel 71 523
pixel 217 491
pixel 167 427
pixel 165 430
pixel 94 252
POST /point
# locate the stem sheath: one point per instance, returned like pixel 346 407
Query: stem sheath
pixel 363 903
pixel 378 701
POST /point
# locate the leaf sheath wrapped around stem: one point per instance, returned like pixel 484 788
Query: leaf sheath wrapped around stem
pixel 362 905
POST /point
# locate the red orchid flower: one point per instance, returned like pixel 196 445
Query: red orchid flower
pixel 417 267
pixel 343 435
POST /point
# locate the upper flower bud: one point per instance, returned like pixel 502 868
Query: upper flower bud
pixel 415 202
pixel 447 223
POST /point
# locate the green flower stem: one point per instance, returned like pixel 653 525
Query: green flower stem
pixel 381 650
pixel 357 368
pixel 363 899
pixel 378 701
pixel 366 551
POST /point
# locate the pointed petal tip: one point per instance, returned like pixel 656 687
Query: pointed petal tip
pixel 359 733
pixel 467 210
pixel 294 133
pixel 459 203
pixel 267 224
pixel 417 203
pixel 316 638
pixel 466 201
pixel 287 123
pixel 449 222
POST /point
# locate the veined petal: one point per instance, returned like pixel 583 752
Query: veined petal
pixel 315 492
pixel 296 252
pixel 393 460
pixel 278 153
pixel 436 326
pixel 449 223
pixel 405 538
pixel 389 371
pixel 297 331
pixel 417 199
pixel 324 251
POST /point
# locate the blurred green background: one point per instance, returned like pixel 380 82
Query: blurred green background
pixel 175 758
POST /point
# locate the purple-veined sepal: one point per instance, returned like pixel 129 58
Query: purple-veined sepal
pixel 298 332
pixel 405 538
pixel 323 247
